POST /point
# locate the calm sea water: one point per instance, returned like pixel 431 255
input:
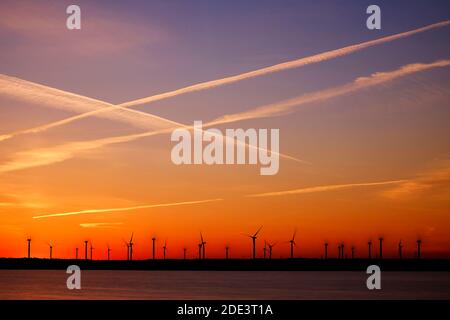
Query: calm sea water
pixel 51 284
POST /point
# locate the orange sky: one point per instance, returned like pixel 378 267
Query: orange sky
pixel 375 150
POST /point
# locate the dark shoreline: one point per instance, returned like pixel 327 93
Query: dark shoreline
pixel 230 265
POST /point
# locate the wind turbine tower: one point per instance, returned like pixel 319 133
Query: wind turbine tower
pixel 131 246
pixel 292 242
pixel 381 247
pixel 253 237
pixel 419 242
pixel 153 247
pixel 85 249
pixel 29 247
pixel 164 250
pixel 203 242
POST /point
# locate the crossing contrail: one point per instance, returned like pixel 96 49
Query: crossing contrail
pixel 46 156
pixel 100 108
pixel 147 206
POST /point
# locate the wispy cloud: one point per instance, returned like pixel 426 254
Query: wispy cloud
pixel 146 206
pixel 435 180
pixel 326 188
pixel 46 156
pixel 23 204
pixel 101 224
pixel 91 107
pixel 40 28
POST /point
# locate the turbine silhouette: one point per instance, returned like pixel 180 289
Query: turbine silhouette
pixel 128 249
pixel 29 247
pixel 419 243
pixel 164 250
pixel 292 242
pixel 203 243
pixel 92 248
pixel 130 244
pixel 253 237
pixel 270 249
pixel 153 247
pixel 380 239
pixel 86 249
pixel 109 252
pixel 51 250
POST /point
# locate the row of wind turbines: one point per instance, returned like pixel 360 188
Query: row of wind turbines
pixel 267 250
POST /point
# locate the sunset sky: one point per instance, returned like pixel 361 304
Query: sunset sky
pixel 364 131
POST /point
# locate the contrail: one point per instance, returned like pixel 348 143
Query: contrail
pixel 100 224
pixel 56 98
pixel 283 107
pixel 284 66
pixel 63 100
pixel 325 188
pixel 106 107
pixel 45 156
pixel 125 209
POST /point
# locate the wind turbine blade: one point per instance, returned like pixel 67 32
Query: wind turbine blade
pixel 257 231
pixel 295 233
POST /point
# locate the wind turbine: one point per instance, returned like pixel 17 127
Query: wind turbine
pixel 380 239
pixel 339 251
pixel 200 250
pixel 400 247
pixel 419 242
pixel 109 252
pixel 153 247
pixel 226 251
pixel 131 246
pixel 92 248
pixel 203 242
pixel 164 250
pixel 353 252
pixel 253 237
pixel 128 249
pixel 184 253
pixel 342 249
pixel 85 249
pixel 51 250
pixel 369 244
pixel 29 247
pixel 265 248
pixel 326 250
pixel 292 242
pixel 76 253
pixel 270 249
